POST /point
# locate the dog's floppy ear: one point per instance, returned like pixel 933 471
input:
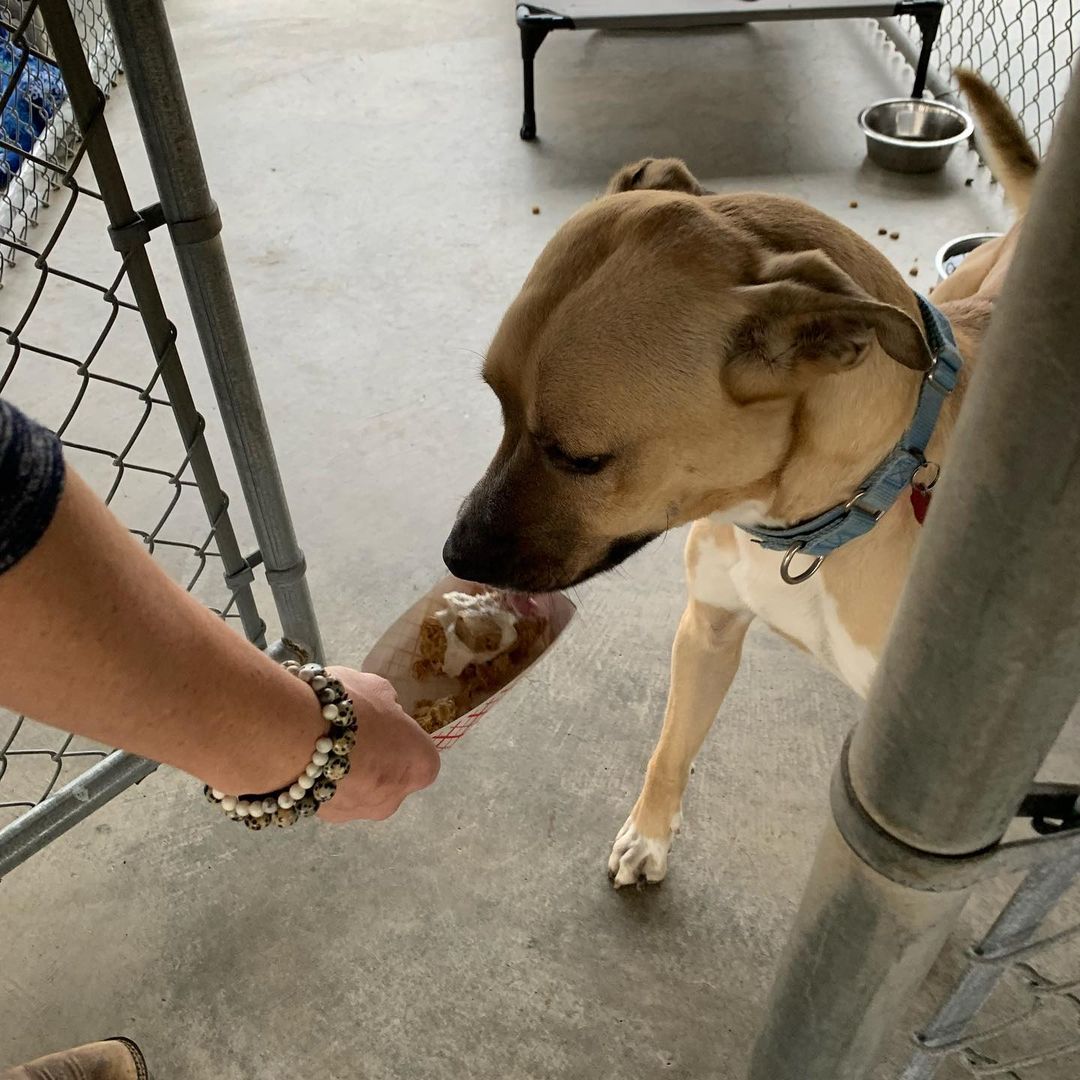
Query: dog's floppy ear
pixel 805 309
pixel 655 174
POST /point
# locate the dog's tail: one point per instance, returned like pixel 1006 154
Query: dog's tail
pixel 1011 157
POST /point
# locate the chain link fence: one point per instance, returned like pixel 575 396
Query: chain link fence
pixel 91 353
pixel 1015 1010
pixel 38 127
pixel 1023 47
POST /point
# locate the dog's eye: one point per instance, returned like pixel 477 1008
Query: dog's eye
pixel 586 466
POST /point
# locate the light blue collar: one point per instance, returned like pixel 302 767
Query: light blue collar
pixel 823 534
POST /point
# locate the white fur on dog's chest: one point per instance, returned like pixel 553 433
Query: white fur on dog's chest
pixel 749 579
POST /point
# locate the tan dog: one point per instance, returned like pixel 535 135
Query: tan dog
pixel 726 360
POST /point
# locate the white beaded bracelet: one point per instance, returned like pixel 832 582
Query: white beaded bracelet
pixel 318 782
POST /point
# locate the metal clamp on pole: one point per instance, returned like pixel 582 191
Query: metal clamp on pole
pixel 928 871
pixel 290 575
pixel 241 578
pixel 198 230
pixel 136 233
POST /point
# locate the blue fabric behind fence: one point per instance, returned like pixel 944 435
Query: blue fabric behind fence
pixel 40 91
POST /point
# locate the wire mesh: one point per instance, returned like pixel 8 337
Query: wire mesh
pixel 1040 995
pixel 73 315
pixel 1029 1026
pixel 1024 48
pixel 38 128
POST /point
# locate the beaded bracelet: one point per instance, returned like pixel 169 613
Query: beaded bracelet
pixel 318 782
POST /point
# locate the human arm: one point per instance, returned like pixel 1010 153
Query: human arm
pixel 96 639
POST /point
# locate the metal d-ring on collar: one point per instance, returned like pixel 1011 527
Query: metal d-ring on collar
pixel 819 536
pixel 812 569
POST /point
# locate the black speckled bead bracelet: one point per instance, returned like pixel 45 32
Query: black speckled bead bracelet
pixel 318 782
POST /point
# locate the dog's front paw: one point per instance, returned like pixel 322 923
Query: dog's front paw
pixel 637 857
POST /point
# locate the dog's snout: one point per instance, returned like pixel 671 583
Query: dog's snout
pixel 465 558
pixel 513 532
pixel 499 550
pixel 475 550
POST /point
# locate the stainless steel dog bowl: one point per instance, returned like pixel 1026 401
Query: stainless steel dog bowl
pixel 910 135
pixel 952 254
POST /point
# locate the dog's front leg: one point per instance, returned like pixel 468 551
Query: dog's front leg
pixel 704 660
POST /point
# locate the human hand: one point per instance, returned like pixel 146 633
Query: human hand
pixel 393 756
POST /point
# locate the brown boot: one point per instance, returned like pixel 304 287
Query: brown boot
pixel 114 1059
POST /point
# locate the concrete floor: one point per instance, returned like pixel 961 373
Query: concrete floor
pixel 377 206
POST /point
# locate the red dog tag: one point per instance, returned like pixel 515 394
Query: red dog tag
pixel 920 503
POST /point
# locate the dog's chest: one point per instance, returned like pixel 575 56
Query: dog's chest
pixel 748 577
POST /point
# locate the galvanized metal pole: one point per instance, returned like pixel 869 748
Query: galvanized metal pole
pixel 981 671
pixel 42 824
pixel 157 91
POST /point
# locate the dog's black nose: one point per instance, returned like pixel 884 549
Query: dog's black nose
pixel 466 560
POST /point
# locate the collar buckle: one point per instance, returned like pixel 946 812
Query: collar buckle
pixel 934 382
pixel 942 373
pixel 853 504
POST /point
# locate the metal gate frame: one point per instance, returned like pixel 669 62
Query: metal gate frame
pixel 979 677
pixel 193 222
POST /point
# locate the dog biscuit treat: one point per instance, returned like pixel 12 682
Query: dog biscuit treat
pixel 430 649
pixel 478 631
pixel 433 715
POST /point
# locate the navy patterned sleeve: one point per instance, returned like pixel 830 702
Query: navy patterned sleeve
pixel 31 479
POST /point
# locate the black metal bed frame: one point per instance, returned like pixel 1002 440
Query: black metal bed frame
pixel 535 23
